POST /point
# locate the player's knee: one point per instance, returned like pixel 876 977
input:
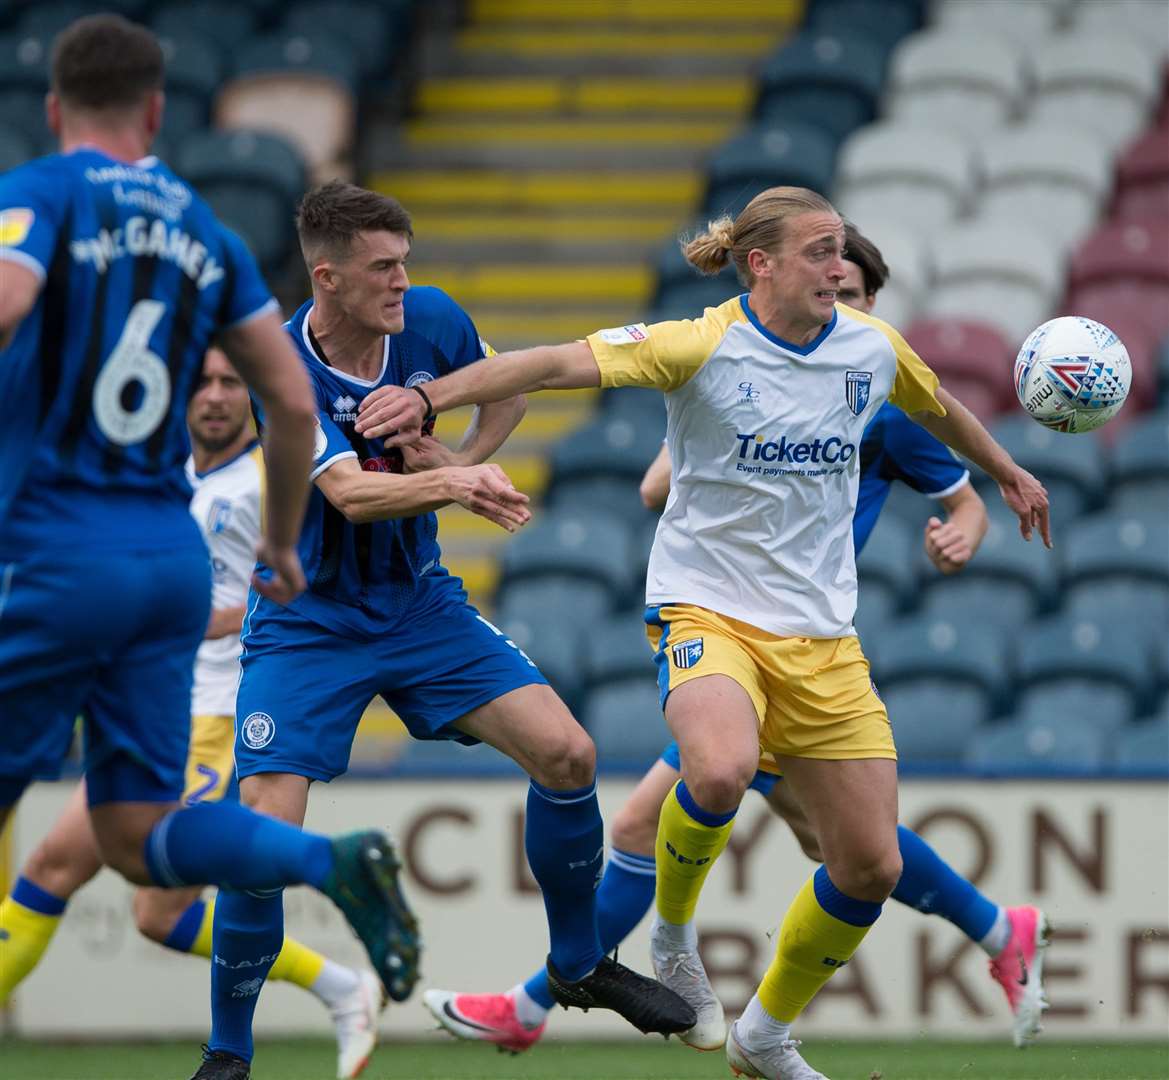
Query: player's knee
pixel 60 870
pixel 565 758
pixel 869 877
pixel 634 832
pixel 720 788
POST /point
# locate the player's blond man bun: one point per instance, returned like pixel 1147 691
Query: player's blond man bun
pixel 760 225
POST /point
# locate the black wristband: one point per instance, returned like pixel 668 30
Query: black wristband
pixel 426 400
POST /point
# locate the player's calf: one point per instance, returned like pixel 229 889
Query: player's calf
pixel 157 911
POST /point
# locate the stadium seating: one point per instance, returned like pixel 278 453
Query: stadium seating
pixel 1143 749
pixel 921 177
pixel 910 270
pixel 1073 748
pixel 260 218
pixel 1109 705
pixel 826 78
pixel 613 446
pixel 932 720
pixel 626 724
pixel 641 406
pixel 226 22
pixel 364 27
pixel 250 158
pixel 688 300
pixel 1052 456
pixel 552 640
pixel 673 268
pixel 15 147
pixel 1140 464
pixel 1142 178
pixel 1022 25
pixel 617 650
pixel 195 68
pixel 882 21
pixel 1140 21
pixel 958 348
pixel 1129 545
pixel 963 81
pixel 765 157
pixel 1079 651
pixel 885 565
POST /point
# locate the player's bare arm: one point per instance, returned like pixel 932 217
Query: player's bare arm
pixel 263 355
pixel 962 431
pixel 225 621
pixel 547 367
pixel 375 496
pixel 19 289
pixel 951 544
pixel 488 430
pixel 655 485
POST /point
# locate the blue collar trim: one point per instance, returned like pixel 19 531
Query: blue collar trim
pixel 231 461
pixel 775 339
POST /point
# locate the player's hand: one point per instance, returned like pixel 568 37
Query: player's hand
pixel 391 413
pixel 285 580
pixel 428 453
pixel 486 490
pixel 947 546
pixel 1027 497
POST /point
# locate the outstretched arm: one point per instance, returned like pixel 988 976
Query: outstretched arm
pixel 396 414
pixel 951 544
pixel 961 430
pixel 489 428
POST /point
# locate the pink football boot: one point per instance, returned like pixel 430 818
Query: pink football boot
pixel 484 1017
pixel 1018 969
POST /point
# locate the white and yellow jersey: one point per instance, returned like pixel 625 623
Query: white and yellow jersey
pixel 764 441
pixel 227 504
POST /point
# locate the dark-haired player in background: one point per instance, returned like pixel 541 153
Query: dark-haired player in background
pixel 114 277
pixel 382 615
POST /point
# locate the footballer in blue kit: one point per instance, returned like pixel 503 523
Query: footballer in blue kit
pixel 116 278
pixel 381 615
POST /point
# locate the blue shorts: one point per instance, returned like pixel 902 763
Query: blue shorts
pixel 304 688
pixel 111 639
pixel 762 782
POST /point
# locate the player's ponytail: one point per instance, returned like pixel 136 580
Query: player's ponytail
pixel 759 225
pixel 710 250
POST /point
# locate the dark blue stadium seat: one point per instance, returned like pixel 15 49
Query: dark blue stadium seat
pixel 1143 749
pixel 365 28
pixel 319 53
pixel 24 66
pixel 608 494
pixel 227 22
pixel 48 19
pixel 764 157
pixel 531 598
pixel 1108 704
pixel 554 642
pixel 838 112
pixel 884 21
pixel 617 648
pixel 888 560
pixel 255 158
pixel 1140 464
pixel 1074 747
pixel 833 68
pixel 594 547
pixel 688 300
pixel 612 445
pixel 257 214
pixel 673 268
pixel 640 405
pixel 15 147
pixel 1074 650
pixel 948 649
pixel 1001 604
pixel 195 66
pixel 1163 373
pixel 1144 604
pixel 934 719
pixel 1053 456
pixel 1119 546
pixel 626 723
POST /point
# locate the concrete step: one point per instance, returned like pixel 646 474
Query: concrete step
pixel 626 13
pixel 659 190
pixel 518 283
pixel 536 95
pixel 518 327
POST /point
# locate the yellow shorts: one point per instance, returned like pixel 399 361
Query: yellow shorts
pixel 813 697
pixel 210 759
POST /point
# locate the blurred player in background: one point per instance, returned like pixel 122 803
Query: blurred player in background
pixel 116 276
pixel 892 447
pixel 383 616
pixel 752 581
pixel 226 471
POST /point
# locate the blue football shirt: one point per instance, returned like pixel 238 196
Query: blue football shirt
pixel 363 577
pixel 138 278
pixel 893 447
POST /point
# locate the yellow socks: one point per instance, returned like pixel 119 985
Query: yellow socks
pixel 29 918
pixel 820 932
pixel 296 963
pixel 689 840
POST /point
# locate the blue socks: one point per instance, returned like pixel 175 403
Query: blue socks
pixel 248 936
pixel 226 844
pixel 30 895
pixel 931 886
pixel 626 892
pixel 564 840
pixel 186 930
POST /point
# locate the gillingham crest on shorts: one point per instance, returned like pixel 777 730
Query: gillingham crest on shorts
pixel 688 653
pixel 258 730
pixel 857 385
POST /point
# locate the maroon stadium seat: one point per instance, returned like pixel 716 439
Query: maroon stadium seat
pixel 1142 177
pixel 1143 200
pixel 979 398
pixel 1136 323
pixel 969 351
pixel 1133 250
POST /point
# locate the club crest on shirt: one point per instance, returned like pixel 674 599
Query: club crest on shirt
pixel 417 378
pixel 857 385
pixel 218 515
pixel 687 653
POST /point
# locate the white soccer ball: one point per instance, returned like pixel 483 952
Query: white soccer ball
pixel 1072 374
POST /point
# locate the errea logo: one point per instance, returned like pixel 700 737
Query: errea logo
pixel 346 408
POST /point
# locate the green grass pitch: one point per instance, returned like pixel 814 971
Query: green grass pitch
pixel 648 1060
